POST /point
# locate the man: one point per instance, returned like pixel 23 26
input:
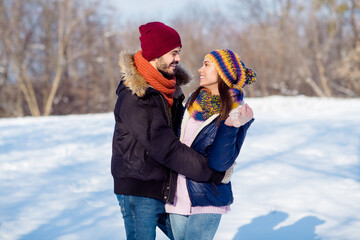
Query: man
pixel 146 151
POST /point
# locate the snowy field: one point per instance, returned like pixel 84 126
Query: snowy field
pixel 297 177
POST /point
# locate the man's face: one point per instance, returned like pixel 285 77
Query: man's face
pixel 166 64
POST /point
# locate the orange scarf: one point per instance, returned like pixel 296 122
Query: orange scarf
pixel 154 78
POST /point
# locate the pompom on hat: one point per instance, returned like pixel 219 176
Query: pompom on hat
pixel 157 39
pixel 232 69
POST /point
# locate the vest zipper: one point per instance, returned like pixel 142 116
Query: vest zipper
pixel 186 183
pixel 214 188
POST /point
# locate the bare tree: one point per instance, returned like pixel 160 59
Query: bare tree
pixel 296 46
pixel 60 56
pixel 37 53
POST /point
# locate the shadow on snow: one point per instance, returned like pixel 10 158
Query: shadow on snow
pixel 262 227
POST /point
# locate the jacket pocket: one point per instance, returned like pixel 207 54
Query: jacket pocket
pixel 151 170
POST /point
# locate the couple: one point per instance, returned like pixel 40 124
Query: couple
pixel 181 186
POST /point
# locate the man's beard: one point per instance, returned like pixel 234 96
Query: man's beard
pixel 162 66
pixel 168 75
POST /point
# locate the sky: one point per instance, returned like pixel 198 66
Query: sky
pixel 161 10
pixel 297 176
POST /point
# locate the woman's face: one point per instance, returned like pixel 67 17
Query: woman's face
pixel 209 76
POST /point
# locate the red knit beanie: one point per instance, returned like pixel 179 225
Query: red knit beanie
pixel 157 39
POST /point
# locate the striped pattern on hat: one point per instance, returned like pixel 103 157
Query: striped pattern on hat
pixel 231 68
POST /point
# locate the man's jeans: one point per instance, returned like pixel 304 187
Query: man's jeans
pixel 141 216
pixel 194 227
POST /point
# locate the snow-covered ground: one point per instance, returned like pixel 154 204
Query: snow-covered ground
pixel 297 177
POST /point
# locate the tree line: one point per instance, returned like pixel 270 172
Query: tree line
pixel 60 56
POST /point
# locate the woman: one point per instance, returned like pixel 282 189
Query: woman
pixel 208 128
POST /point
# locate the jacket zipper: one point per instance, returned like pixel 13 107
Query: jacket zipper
pixel 170 125
pixel 166 113
pixel 168 188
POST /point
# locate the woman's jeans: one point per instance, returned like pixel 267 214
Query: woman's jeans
pixel 197 226
pixel 141 216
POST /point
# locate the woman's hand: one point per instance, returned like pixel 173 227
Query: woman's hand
pixel 241 117
pixel 228 174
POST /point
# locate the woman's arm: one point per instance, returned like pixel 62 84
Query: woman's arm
pixel 229 139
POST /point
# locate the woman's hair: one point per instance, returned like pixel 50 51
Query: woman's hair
pixel 225 99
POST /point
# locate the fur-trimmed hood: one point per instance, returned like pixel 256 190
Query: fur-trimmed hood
pixel 137 83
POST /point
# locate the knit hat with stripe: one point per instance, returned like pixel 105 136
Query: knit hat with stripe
pixel 231 68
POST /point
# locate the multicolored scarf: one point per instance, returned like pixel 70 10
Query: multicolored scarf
pixel 206 104
pixel 154 78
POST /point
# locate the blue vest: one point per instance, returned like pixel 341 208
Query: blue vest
pixel 221 145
